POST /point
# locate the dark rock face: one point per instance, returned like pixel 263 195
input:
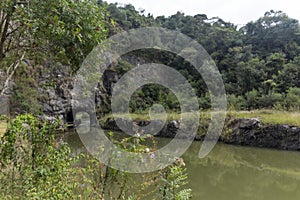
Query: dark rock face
pixel 110 77
pixel 56 84
pixel 251 132
pixel 246 132
pixel 55 89
pixel 169 130
pixel 154 127
pixel 4 105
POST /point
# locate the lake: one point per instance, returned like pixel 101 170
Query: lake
pixel 236 173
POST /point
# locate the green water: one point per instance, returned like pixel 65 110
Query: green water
pixel 238 173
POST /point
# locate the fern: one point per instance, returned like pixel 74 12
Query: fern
pixel 184 194
pixel 174 179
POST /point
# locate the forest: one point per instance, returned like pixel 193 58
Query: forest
pixel 259 61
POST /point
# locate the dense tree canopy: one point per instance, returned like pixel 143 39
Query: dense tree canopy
pixel 259 62
pixel 260 59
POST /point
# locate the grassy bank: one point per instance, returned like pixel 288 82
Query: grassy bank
pixel 145 116
pixel 265 116
pixel 269 116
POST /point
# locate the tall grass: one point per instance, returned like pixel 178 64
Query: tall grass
pixel 265 116
pixel 269 116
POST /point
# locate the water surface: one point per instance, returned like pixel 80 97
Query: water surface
pixel 237 173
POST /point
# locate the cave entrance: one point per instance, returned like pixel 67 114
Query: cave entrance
pixel 69 118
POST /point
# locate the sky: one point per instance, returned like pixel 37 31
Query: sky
pixel 238 12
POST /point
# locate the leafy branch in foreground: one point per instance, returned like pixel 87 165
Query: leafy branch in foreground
pixel 35 164
pixel 39 32
pixel 174 179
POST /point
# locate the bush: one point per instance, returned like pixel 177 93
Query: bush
pixel 292 100
pixel 34 165
pixel 236 102
pixel 252 99
pixel 204 102
pixel 270 100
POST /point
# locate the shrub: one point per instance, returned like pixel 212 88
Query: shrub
pixel 35 165
pixel 270 100
pixel 292 100
pixel 236 102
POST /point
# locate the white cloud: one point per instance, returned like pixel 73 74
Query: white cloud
pixel 236 11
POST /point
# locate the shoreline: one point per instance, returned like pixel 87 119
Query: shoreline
pixel 240 131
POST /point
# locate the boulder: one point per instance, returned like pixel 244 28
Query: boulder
pixel 251 132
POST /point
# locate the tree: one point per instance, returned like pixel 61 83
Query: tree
pixel 289 76
pixel 293 98
pixel 275 31
pixel 62 31
pixel 127 17
pixel 249 75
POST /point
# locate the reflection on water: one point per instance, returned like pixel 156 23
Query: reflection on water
pixel 231 172
pixel 237 173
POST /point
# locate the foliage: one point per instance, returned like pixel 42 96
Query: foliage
pixel 25 97
pixel 35 33
pixel 128 17
pixel 174 179
pixel 293 99
pixel 34 164
pixel 261 56
pixel 258 62
pixel 236 102
pixel 65 30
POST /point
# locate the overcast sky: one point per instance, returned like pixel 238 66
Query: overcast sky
pixel 236 11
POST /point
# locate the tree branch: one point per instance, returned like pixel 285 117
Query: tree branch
pixel 10 73
pixel 5 27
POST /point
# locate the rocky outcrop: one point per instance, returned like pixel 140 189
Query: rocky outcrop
pixel 55 89
pixel 168 130
pixel 110 77
pixel 251 132
pixel 56 83
pixel 4 105
pixel 246 132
